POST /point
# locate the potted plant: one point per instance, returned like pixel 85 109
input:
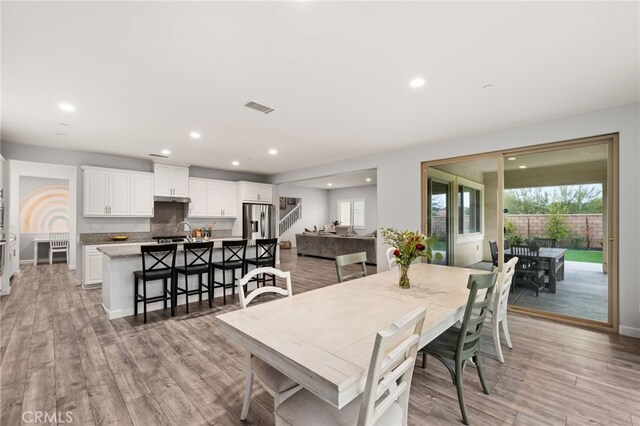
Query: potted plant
pixel 409 246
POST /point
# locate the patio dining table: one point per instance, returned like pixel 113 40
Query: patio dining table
pixel 554 257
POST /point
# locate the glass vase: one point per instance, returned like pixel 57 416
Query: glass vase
pixel 404 276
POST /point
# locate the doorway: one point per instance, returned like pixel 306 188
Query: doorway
pixel 558 201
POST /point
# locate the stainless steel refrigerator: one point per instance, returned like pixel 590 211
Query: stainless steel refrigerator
pixel 258 221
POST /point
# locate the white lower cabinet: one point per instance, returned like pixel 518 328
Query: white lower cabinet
pixel 91 265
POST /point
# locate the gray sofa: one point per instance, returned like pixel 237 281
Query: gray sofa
pixel 330 245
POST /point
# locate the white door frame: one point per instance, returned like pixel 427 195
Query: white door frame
pixel 18 169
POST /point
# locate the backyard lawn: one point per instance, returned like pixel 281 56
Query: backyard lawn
pixel 583 256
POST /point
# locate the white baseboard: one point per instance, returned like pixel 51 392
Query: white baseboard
pixel 630 331
pixel 5 291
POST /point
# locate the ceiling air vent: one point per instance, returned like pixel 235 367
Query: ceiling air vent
pixel 158 155
pixel 259 107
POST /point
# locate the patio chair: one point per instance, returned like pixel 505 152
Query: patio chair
pixel 547 242
pixel 493 246
pixel 530 269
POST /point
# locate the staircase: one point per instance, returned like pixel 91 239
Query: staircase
pixel 290 218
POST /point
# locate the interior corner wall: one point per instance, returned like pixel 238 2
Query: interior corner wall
pixel 370 195
pixel 315 209
pixel 399 182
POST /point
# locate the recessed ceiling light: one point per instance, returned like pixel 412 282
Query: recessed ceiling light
pixel 522 167
pixel 417 82
pixel 195 135
pixel 165 152
pixel 61 134
pixel 487 87
pixel 368 179
pixel 329 184
pixel 63 124
pixel 511 158
pixel 67 107
pixel 235 163
pixel 273 151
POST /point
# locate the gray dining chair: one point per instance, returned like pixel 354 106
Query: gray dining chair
pixel 351 259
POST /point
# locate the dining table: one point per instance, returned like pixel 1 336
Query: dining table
pixel 323 339
pixel 554 257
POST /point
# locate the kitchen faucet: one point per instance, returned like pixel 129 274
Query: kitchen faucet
pixel 190 229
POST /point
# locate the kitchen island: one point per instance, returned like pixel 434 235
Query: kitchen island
pixel 121 260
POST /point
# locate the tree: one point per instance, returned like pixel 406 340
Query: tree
pixel 526 201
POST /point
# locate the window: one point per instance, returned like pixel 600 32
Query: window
pixel 469 209
pixel 352 212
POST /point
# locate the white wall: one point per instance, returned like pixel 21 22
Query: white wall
pixel 315 208
pixel 399 186
pixel 370 195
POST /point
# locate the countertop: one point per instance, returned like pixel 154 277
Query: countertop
pixel 98 239
pixel 128 249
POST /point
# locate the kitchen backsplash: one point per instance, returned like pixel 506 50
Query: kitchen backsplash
pixel 168 215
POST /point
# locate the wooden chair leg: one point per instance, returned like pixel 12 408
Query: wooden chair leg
pixel 224 287
pixel 248 388
pixel 135 296
pixel 200 287
pixel 495 329
pixel 233 281
pixel 459 373
pixel 186 291
pixel 505 328
pixel 164 292
pixel 144 301
pixel 478 360
pixel 210 288
pixel 173 296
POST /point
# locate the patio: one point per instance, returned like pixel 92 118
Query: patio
pixel 582 293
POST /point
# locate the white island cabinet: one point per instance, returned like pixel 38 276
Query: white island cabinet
pixel 119 261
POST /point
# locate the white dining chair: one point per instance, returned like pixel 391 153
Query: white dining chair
pixel 391 258
pixel 385 400
pixel 278 385
pixel 58 243
pixel 498 308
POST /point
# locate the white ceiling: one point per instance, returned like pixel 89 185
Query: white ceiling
pixel 342 180
pixel 143 75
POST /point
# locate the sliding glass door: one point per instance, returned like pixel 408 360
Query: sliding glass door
pixel 553 205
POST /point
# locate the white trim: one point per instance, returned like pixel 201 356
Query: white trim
pixel 630 331
pixel 351 201
pixel 19 168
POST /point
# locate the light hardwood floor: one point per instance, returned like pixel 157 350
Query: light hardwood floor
pixel 60 353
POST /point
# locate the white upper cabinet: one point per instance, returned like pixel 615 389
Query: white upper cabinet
pixel 96 192
pixel 142 194
pixel 198 195
pixel 180 181
pixel 252 192
pixel 112 192
pixel 229 197
pixel 212 198
pixel 171 181
pixel 119 193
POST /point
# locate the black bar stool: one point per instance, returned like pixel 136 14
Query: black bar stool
pixel 265 257
pixel 162 261
pixel 200 264
pixel 233 258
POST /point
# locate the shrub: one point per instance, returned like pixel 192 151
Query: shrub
pixel 577 241
pixel 556 227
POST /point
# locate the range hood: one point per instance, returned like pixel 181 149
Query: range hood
pixel 168 199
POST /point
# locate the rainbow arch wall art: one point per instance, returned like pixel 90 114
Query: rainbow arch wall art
pixel 45 209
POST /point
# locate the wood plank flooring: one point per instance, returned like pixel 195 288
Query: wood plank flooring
pixel 60 354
